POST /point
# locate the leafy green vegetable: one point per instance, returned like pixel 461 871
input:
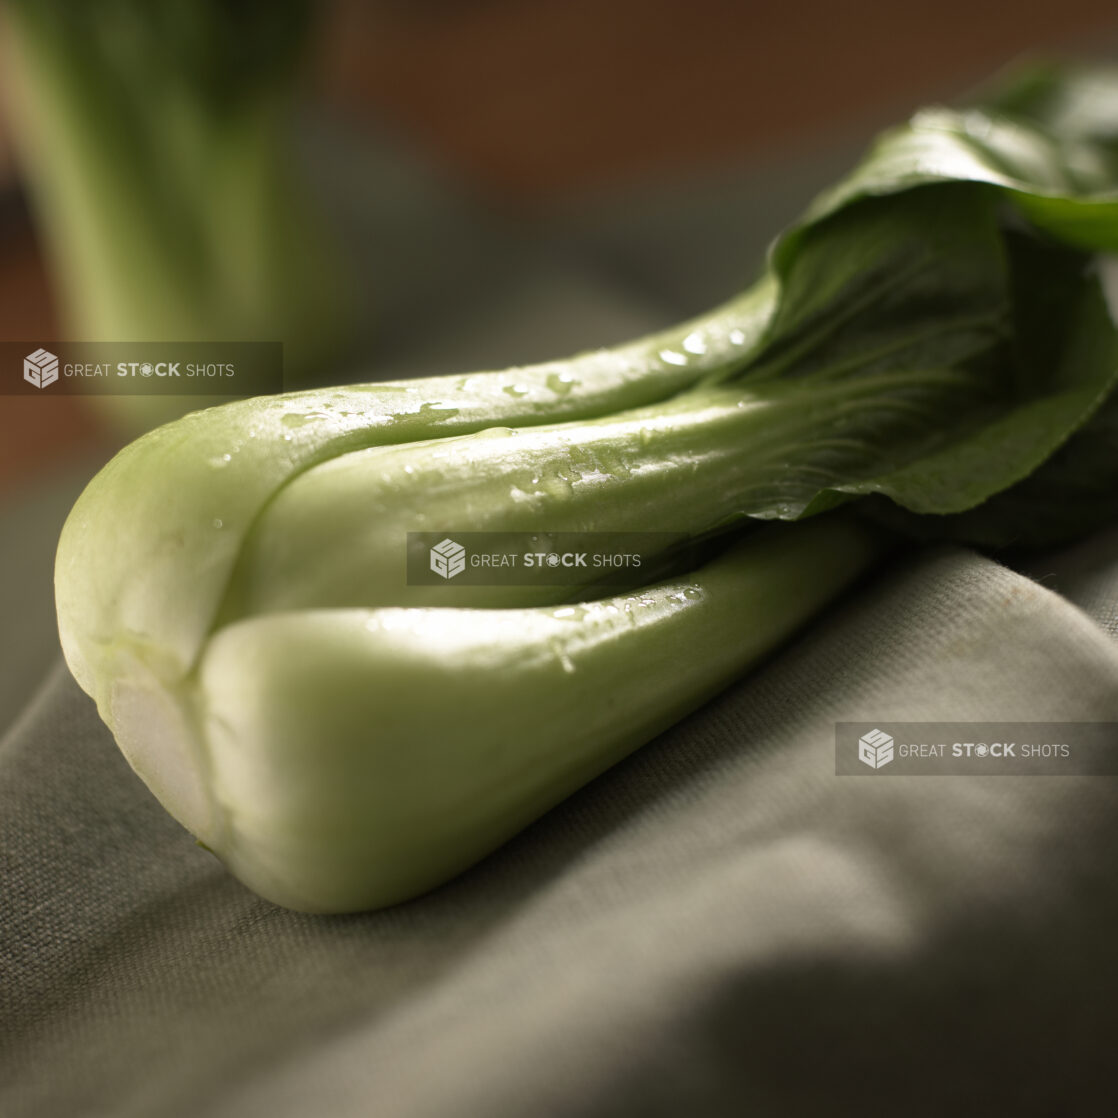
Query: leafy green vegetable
pixel 933 340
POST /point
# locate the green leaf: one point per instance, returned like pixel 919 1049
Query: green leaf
pixel 1065 364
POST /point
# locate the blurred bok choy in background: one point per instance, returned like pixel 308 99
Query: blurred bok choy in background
pixel 156 140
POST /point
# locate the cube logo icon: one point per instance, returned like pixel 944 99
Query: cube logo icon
pixel 875 749
pixel 40 368
pixel 448 558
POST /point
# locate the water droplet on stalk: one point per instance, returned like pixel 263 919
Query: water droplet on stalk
pixel 565 662
pixel 298 419
pixel 438 410
pixel 561 383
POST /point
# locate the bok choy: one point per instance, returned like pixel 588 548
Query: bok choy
pixel 931 346
pixel 157 143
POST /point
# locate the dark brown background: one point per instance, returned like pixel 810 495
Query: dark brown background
pixel 534 102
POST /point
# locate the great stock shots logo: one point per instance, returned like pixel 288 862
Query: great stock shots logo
pixel 964 748
pixel 595 561
pixel 40 368
pixel 448 558
pixel 875 749
pixel 110 368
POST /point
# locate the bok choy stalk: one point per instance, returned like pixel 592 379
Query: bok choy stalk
pixel 932 341
pixel 440 731
pixel 156 141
